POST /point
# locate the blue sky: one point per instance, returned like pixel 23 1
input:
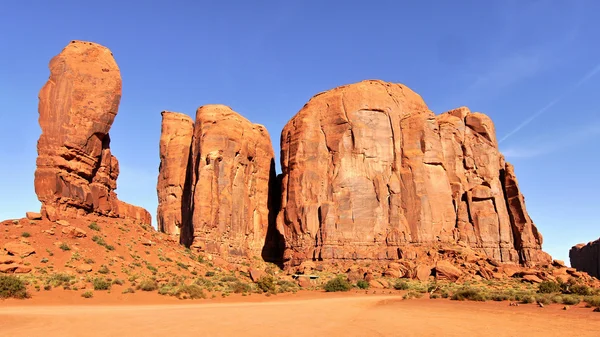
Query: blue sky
pixel 533 66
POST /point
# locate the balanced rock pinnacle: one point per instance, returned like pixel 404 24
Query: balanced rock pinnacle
pixel 76 173
pixel 368 169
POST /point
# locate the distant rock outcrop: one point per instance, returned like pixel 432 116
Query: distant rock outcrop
pixel 368 169
pixel 586 257
pixel 219 194
pixel 76 173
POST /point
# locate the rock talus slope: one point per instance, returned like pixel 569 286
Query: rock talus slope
pixel 76 173
pixel 368 169
pixel 219 194
pixel 586 257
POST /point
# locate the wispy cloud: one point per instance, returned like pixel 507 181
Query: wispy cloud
pixel 590 74
pixel 553 143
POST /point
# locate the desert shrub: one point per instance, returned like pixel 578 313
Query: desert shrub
pixel 228 278
pixel 571 299
pixel 500 296
pixel 101 284
pixel 192 291
pixel 44 260
pixel 118 281
pixel 527 299
pixel 543 299
pixel 148 285
pixel 25 234
pixel 239 287
pixel 284 286
pixel 64 246
pixel 592 301
pixel 209 274
pixel 401 285
pixel 434 296
pixel 412 294
pixel 128 291
pixel 58 279
pixel 103 270
pixel 337 284
pixel 94 226
pixel 87 294
pixel 12 286
pixel 266 284
pixel 549 287
pixel 580 289
pixel 152 268
pixel 362 284
pixel 468 293
pixel 558 299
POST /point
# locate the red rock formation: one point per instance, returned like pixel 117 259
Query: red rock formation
pixel 220 194
pixel 175 142
pixel 76 173
pixel 586 257
pixel 368 169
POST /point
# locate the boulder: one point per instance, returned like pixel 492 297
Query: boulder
pixel 444 270
pixel 33 216
pixel 76 172
pixel 304 282
pixel 19 249
pixel 84 268
pixel 422 272
pixel 368 170
pixel 256 274
pixel 74 232
pixel 532 279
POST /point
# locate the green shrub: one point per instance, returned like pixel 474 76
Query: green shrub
pixel 527 299
pixel 228 278
pixel 543 299
pixel 209 274
pixel 128 291
pixel 44 260
pixel 286 286
pixel 101 284
pixel 500 296
pixel 266 284
pixel 94 226
pixel 362 284
pixel 580 289
pixel 58 279
pixel 401 285
pixel 592 301
pixel 571 300
pixel 12 286
pixel 239 287
pixel 25 234
pixel 337 284
pixel 471 294
pixel 549 287
pixel 148 285
pixel 103 270
pixel 118 281
pixel 192 291
pixel 152 268
pixel 64 246
pixel 87 294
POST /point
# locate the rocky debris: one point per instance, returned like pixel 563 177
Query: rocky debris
pixel 175 142
pixel 532 279
pixel 304 282
pixel 14 268
pixel 19 249
pixel 33 216
pixel 74 232
pixel 84 268
pixel 218 199
pixel 368 170
pixel 76 173
pixel 444 270
pixel 256 274
pixel 586 257
pixel 558 263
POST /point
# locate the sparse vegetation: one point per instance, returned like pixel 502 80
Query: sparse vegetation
pixel 266 284
pixel 549 287
pixel 337 284
pixel 64 247
pixel 25 234
pixel 12 287
pixel 94 226
pixel 101 284
pixel 103 270
pixel 362 284
pixel 148 285
pixel 87 294
pixel 469 293
pixel 401 285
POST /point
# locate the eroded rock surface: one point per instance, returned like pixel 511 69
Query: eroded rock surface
pixel 76 173
pixel 368 169
pixel 219 196
pixel 586 257
pixel 175 142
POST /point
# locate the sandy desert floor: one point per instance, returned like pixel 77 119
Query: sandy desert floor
pixel 315 314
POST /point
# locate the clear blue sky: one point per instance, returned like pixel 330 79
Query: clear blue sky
pixel 530 65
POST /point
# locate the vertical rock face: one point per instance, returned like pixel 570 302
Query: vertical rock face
pixel 76 172
pixel 368 169
pixel 221 192
pixel 175 142
pixel 586 257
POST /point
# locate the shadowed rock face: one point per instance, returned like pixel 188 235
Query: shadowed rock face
pixel 586 257
pixel 175 142
pixel 368 169
pixel 220 192
pixel 76 173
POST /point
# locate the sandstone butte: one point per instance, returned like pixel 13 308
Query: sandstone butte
pixel 76 173
pixel 214 182
pixel 586 257
pixel 369 173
